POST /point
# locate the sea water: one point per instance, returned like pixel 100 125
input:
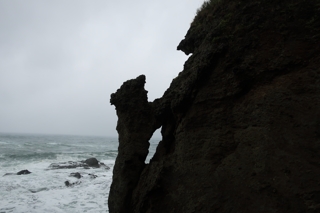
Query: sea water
pixel 44 190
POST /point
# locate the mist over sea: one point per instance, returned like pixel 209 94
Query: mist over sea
pixel 44 190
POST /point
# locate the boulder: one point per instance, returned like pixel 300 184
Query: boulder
pixel 23 172
pixel 93 162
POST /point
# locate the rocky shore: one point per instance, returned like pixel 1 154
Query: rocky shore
pixel 240 124
pixel 90 163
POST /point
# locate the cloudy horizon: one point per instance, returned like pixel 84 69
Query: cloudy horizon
pixel 61 60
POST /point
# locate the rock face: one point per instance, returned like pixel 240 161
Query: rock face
pixel 136 125
pixel 241 122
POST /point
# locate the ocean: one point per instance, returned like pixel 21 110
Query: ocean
pixel 45 188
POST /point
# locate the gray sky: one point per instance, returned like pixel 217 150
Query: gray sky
pixel 61 59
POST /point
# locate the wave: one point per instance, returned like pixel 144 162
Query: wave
pixel 27 156
pixel 57 156
pixel 53 143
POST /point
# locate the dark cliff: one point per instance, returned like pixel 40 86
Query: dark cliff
pixel 241 122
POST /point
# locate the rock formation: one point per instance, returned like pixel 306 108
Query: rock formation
pixel 241 122
pixel 87 164
pixel 22 172
pixel 136 125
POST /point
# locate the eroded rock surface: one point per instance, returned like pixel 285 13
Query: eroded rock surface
pixel 136 125
pixel 240 124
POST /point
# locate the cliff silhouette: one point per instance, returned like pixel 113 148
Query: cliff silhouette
pixel 240 124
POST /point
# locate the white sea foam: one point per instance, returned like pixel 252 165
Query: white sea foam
pixel 53 143
pixel 44 190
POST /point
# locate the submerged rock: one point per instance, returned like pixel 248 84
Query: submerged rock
pixel 9 174
pixel 68 184
pixel 93 176
pixel 76 175
pixel 39 190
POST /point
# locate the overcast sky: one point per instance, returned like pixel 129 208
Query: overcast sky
pixel 61 59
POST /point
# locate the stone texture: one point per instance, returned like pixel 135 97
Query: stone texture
pixel 136 125
pixel 241 122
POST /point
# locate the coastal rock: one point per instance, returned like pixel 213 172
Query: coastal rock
pixel 103 165
pixel 136 125
pixel 76 175
pixel 24 172
pixel 240 123
pixel 93 176
pixel 93 162
pixel 69 184
pixel 9 174
pixel 68 165
pixel 87 164
pixel 39 190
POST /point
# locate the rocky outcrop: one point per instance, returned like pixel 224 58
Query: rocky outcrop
pixel 241 122
pixel 136 125
pixel 87 164
pixel 93 162
pixel 22 172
